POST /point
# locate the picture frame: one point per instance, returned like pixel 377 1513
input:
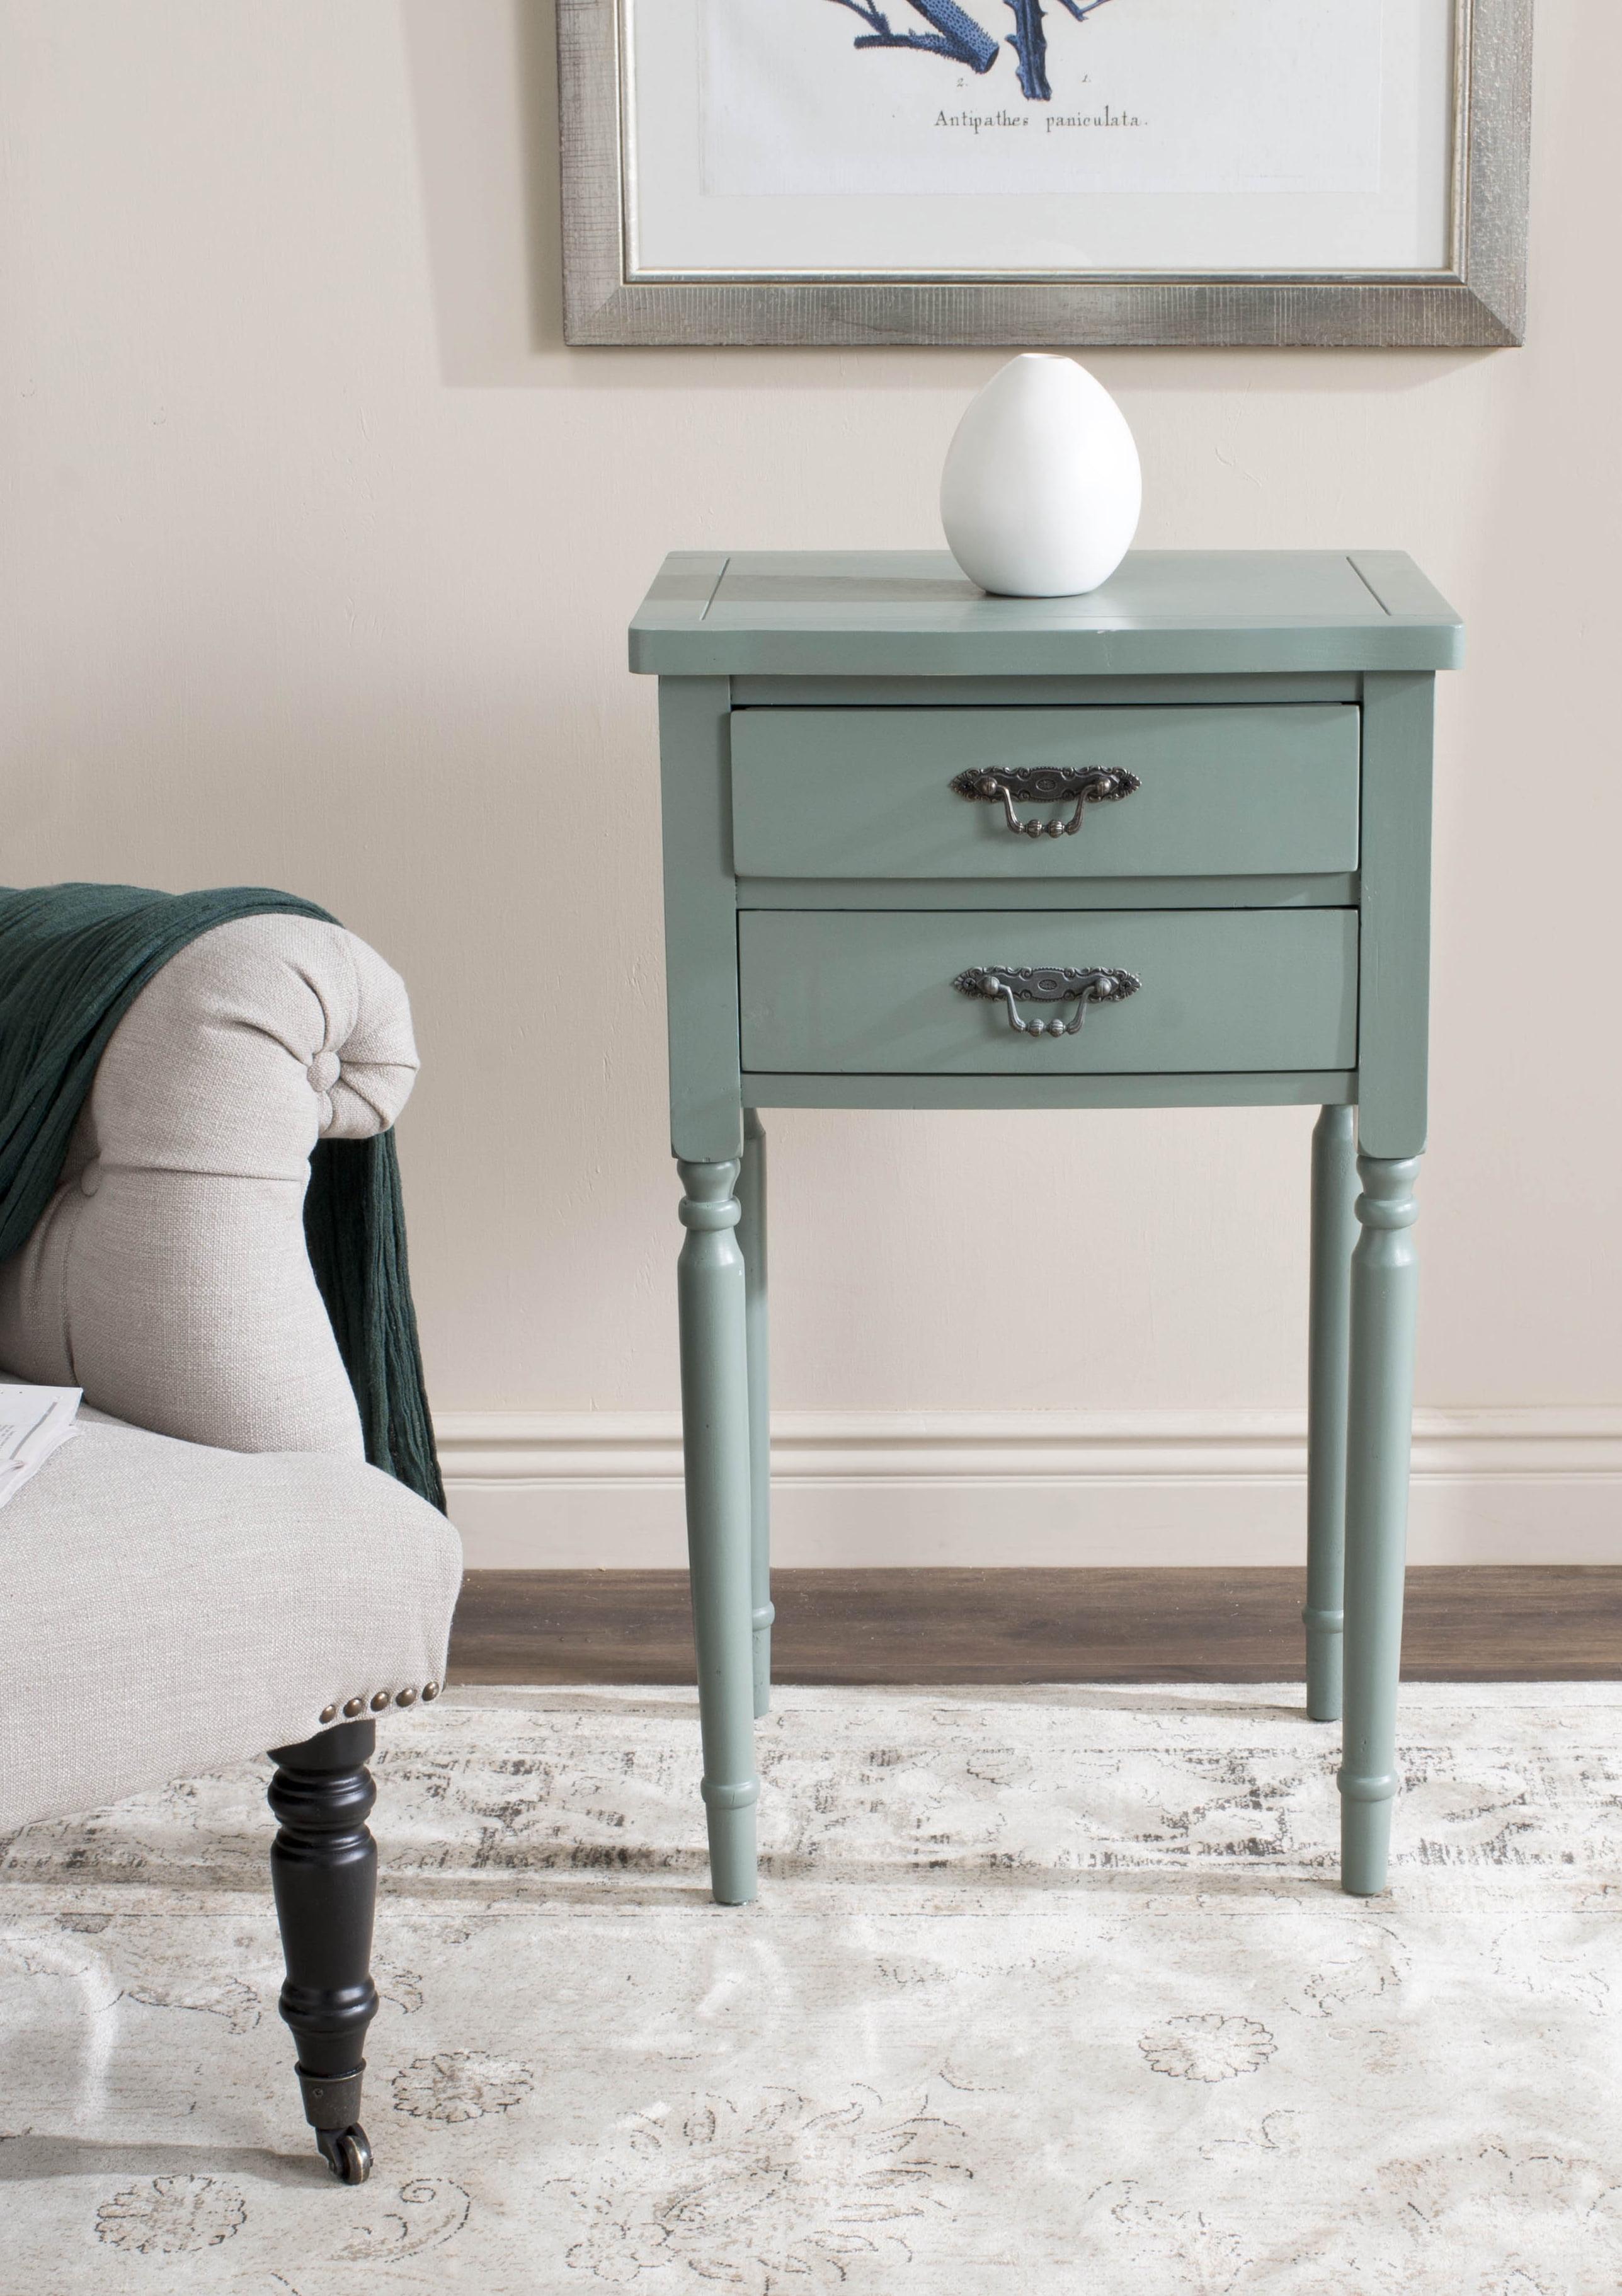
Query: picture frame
pixel 634 181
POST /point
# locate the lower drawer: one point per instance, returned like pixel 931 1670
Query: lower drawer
pixel 872 991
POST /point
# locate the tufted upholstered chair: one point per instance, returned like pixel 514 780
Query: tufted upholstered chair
pixel 209 1567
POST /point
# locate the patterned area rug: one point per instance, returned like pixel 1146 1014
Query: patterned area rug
pixel 1047 1990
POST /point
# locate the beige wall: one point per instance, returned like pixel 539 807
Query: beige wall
pixel 318 548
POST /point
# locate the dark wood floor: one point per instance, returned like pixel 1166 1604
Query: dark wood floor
pixel 1482 1624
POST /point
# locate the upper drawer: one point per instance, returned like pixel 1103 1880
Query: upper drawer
pixel 1237 791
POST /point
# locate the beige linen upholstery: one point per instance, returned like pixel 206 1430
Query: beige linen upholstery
pixel 168 1278
pixel 165 1605
pixel 166 1608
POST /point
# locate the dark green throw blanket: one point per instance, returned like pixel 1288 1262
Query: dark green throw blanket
pixel 73 958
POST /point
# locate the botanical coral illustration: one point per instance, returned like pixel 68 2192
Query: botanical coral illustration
pixel 1029 41
pixel 955 35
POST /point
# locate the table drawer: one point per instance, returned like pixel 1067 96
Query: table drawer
pixel 1221 792
pixel 869 992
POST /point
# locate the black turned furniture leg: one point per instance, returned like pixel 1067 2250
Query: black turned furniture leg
pixel 323 1871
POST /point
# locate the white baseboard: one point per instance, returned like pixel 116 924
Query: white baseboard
pixel 573 1490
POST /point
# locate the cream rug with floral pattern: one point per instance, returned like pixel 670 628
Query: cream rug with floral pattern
pixel 1047 1990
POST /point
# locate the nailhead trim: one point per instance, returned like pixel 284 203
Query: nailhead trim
pixel 380 1699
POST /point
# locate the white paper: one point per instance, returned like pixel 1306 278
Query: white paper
pixel 34 1421
pixel 1218 97
pixel 1178 135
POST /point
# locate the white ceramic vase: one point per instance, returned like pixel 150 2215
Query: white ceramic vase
pixel 1042 489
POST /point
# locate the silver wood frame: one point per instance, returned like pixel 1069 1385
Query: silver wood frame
pixel 1478 301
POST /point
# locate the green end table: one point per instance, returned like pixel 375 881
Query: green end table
pixel 1168 845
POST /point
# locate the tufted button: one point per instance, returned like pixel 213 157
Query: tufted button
pixel 90 1179
pixel 323 1071
pixel 380 1699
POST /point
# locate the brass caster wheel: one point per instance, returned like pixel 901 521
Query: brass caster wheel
pixel 346 2152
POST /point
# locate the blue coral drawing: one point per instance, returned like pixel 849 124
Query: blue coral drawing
pixel 956 35
pixel 953 34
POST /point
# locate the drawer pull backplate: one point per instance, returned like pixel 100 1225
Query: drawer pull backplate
pixel 1045 785
pixel 1048 984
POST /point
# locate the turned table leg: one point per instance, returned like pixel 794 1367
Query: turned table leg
pixel 1384 1284
pixel 715 1446
pixel 752 1241
pixel 1334 1232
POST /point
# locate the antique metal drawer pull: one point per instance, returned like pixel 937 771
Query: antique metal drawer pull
pixel 1045 785
pixel 1048 984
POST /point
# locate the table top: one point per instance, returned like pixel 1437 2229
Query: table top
pixel 879 613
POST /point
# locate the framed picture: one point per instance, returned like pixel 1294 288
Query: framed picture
pixel 1032 172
